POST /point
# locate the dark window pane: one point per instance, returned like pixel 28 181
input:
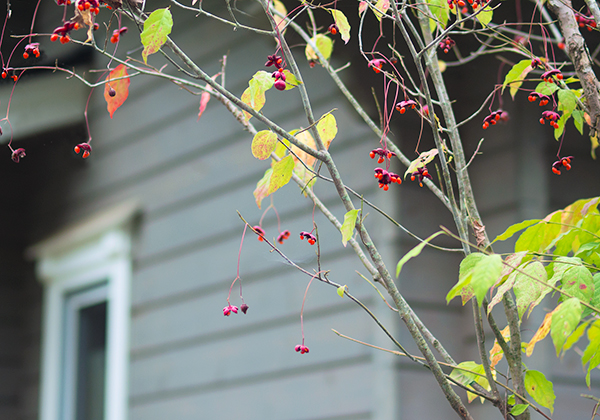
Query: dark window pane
pixel 91 363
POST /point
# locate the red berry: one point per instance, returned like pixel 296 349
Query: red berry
pixel 4 74
pixel 380 160
pixel 53 37
pixel 14 77
pixel 64 39
pixel 80 7
pixel 36 52
pixel 114 39
pixel 542 121
pixel 372 154
pixel 556 171
pixel 25 55
pixel 77 149
pixel 485 125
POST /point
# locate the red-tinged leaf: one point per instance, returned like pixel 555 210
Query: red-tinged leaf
pixel 121 88
pixel 381 8
pixel 342 23
pixel 263 144
pixel 204 98
pixel 156 29
pixel 504 287
pixel 565 319
pixel 282 173
pixel 578 282
pixel 540 389
pixel 262 187
pixel 327 128
pixel 362 6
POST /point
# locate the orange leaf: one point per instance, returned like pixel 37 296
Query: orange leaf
pixel 306 138
pixel 496 352
pixel 120 88
pixel 541 333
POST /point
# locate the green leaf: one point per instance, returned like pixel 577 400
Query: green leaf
pixel 565 319
pixel 485 273
pixel 591 353
pixel 441 12
pixel 546 88
pixel 262 187
pixel 341 290
pixel 347 228
pixel 578 282
pixel 508 233
pixel 537 237
pixel 464 275
pixel 290 80
pixel 578 120
pixel 595 144
pixel 324 45
pixel 567 100
pixel 282 147
pixel 467 373
pixel 518 409
pixel 342 23
pixel 526 289
pixel 484 17
pixel 516 75
pixel 282 173
pixel 327 128
pixel 562 121
pixel 575 336
pixel 156 29
pixel 254 95
pixel 540 389
pixel 263 144
pixel 414 252
pixel 559 267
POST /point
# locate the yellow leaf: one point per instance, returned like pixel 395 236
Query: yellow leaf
pixel 496 353
pixel 306 138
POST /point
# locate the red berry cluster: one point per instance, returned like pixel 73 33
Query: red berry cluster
pixel 117 34
pixel 544 99
pixel 62 32
pixel 420 173
pixel 562 162
pixel 283 236
pixel 87 149
pixel 551 74
pixel 13 76
pixel 229 309
pixel 279 75
pixel 385 178
pixel 18 155
pixel 550 116
pixel 446 44
pixel 301 348
pixel 376 64
pixel 33 48
pixel 310 238
pixel 333 29
pixel 461 3
pixel 536 63
pixel 401 106
pixel 63 2
pixel 492 119
pixel 382 153
pixel 91 5
pixel 588 21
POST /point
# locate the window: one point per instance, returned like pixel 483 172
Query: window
pixel 86 272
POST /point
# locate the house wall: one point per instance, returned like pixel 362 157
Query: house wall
pixel 190 177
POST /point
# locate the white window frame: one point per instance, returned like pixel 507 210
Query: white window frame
pixel 90 253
